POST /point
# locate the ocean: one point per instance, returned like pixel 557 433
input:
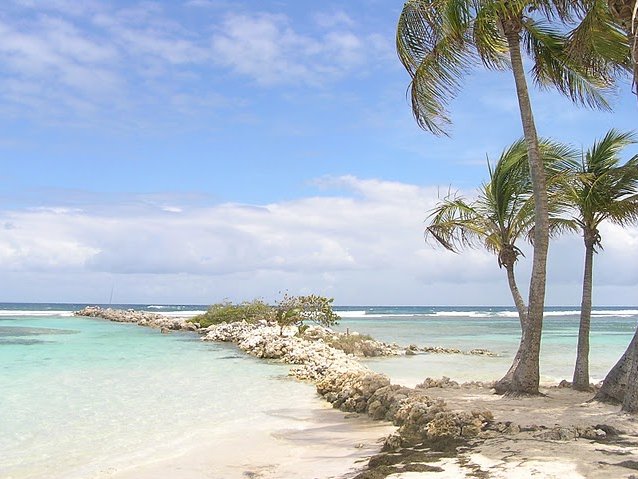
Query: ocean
pixel 87 398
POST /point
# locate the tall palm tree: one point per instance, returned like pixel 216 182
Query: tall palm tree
pixel 439 41
pixel 596 189
pixel 500 216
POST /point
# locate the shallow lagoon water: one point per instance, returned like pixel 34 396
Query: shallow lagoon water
pixel 495 329
pixel 86 398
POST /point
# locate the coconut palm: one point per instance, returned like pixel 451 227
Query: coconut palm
pixel 597 189
pixel 439 41
pixel 501 216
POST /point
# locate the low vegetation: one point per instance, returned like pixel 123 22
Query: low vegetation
pixel 294 310
pixel 290 311
pixel 227 312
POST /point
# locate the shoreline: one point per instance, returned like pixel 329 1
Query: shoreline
pixel 482 442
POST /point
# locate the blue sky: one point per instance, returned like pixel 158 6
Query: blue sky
pixel 190 151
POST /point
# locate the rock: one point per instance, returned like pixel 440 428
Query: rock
pixel 558 433
pixel 142 318
pixel 392 443
pixel 481 352
pixel 444 382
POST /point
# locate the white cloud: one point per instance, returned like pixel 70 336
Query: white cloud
pixel 362 246
pixel 268 49
pixel 337 18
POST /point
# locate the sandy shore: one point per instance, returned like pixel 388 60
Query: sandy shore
pixel 536 454
pixel 323 447
pixel 320 445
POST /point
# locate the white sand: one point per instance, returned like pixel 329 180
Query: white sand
pixel 321 446
pixel 525 455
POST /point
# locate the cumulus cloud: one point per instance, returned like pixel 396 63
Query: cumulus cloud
pixel 363 245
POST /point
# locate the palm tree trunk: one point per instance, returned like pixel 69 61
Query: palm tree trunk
pixel 630 401
pixel 504 384
pixel 526 374
pixel 516 295
pixel 615 383
pixel 581 370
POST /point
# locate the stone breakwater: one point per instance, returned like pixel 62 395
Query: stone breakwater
pixel 142 318
pixel 350 386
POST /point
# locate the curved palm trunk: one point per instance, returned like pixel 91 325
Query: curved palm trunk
pixel 630 401
pixel 505 383
pixel 581 370
pixel 526 374
pixel 615 383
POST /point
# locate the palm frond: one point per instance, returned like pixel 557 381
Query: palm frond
pixel 564 10
pixel 435 52
pixel 599 43
pixel 553 67
pixel 488 39
pixel 599 187
pixel 454 224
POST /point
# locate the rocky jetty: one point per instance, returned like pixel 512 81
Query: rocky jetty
pixel 350 386
pixel 314 358
pixel 142 318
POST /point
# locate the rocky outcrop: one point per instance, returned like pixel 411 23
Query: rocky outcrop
pixel 313 358
pixel 350 386
pixel 142 318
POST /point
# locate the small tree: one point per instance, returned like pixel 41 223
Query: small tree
pixel 227 312
pixel 294 310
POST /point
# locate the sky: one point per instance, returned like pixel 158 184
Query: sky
pixel 191 151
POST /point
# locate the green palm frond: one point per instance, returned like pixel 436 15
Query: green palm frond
pixel 440 41
pixel 554 67
pixel 455 224
pixel 565 10
pixel 488 39
pixel 599 187
pixel 598 41
pixel 434 50
pixel 503 211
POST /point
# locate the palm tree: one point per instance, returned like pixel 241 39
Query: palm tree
pixel 502 214
pixel 439 41
pixel 597 189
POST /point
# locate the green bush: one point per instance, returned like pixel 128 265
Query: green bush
pixel 249 311
pixel 294 310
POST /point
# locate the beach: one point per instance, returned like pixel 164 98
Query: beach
pixel 279 428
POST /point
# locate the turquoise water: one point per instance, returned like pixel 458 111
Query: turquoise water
pixel 81 394
pixel 84 398
pixel 496 329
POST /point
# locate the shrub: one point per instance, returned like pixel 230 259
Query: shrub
pixel 249 311
pixel 294 310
